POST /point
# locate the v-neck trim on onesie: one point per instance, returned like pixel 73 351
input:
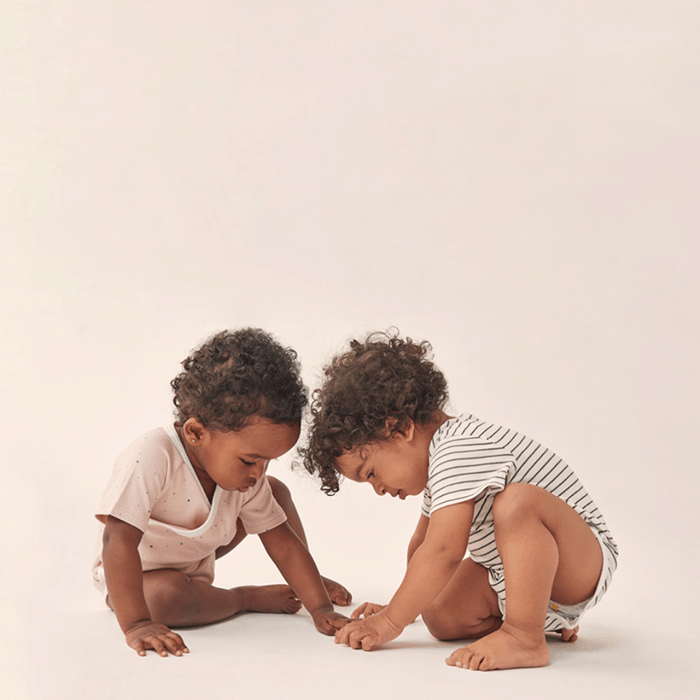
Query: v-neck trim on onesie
pixel 206 525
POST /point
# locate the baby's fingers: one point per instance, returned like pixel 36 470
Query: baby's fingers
pixel 369 642
pixel 170 642
pixel 353 635
pixel 329 625
pixel 366 610
pixel 356 614
pixel 363 639
pixel 338 622
pixel 175 644
pixel 161 644
pixel 343 634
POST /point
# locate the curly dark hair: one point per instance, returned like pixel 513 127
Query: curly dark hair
pixel 370 392
pixel 237 374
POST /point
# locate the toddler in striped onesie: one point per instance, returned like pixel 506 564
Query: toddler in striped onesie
pixel 540 552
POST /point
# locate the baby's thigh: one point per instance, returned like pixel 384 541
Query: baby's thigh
pixel 160 585
pixel 466 608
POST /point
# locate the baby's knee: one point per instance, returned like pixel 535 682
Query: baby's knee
pixel 441 623
pixel 167 592
pixel 514 501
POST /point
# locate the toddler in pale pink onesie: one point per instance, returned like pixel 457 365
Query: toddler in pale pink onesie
pixel 184 495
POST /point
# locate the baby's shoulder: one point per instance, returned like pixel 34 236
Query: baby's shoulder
pixel 152 450
pixel 154 440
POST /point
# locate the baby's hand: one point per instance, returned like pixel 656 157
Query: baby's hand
pixel 328 621
pixel 153 635
pixel 366 610
pixel 368 633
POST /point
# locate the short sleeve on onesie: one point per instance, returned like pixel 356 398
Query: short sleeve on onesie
pixel 155 488
pixel 462 467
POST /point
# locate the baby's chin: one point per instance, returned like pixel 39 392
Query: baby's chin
pixel 243 487
pixel 403 494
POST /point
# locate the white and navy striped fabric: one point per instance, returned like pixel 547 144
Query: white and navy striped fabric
pixel 472 459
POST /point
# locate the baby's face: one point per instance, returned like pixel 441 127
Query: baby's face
pixel 237 460
pixel 397 466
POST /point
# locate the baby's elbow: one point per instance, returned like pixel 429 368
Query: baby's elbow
pixel 453 560
pixel 450 555
pixel 446 558
pixel 119 534
pixel 110 542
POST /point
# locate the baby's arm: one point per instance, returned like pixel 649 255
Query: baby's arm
pixel 431 565
pixel 418 537
pixel 297 566
pixel 124 578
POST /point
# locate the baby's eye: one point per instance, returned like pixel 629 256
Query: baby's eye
pixel 248 464
pixel 371 474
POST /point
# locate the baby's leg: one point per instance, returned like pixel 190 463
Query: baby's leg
pixel 548 552
pixel 467 608
pixel 337 592
pixel 176 600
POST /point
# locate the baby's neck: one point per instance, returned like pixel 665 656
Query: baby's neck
pixel 429 429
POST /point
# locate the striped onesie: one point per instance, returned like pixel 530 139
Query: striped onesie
pixel 470 458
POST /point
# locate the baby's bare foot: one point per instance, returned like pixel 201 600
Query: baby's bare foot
pixel 569 635
pixel 337 592
pixel 504 648
pixel 270 599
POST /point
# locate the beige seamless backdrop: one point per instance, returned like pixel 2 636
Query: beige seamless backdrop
pixel 516 182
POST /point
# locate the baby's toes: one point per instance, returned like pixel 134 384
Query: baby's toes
pixel 341 596
pixel 458 658
pixel 293 604
pixel 570 635
pixel 479 662
pixel 338 594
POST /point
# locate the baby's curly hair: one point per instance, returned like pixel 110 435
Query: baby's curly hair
pixel 235 375
pixel 379 383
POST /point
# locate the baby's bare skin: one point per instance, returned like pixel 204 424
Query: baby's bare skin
pixel 504 648
pixel 569 635
pixel 157 636
pixel 277 598
pixel 269 599
pixel 338 594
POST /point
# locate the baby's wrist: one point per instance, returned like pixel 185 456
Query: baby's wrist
pixel 321 611
pixel 395 619
pixel 136 625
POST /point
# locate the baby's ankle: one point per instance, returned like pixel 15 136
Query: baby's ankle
pixel 530 635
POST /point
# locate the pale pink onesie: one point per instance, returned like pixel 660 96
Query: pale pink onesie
pixel 155 488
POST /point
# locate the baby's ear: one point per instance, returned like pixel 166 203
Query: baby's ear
pixel 193 429
pixel 394 429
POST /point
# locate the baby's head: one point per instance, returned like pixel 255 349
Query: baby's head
pixel 379 389
pixel 236 375
pixel 239 402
